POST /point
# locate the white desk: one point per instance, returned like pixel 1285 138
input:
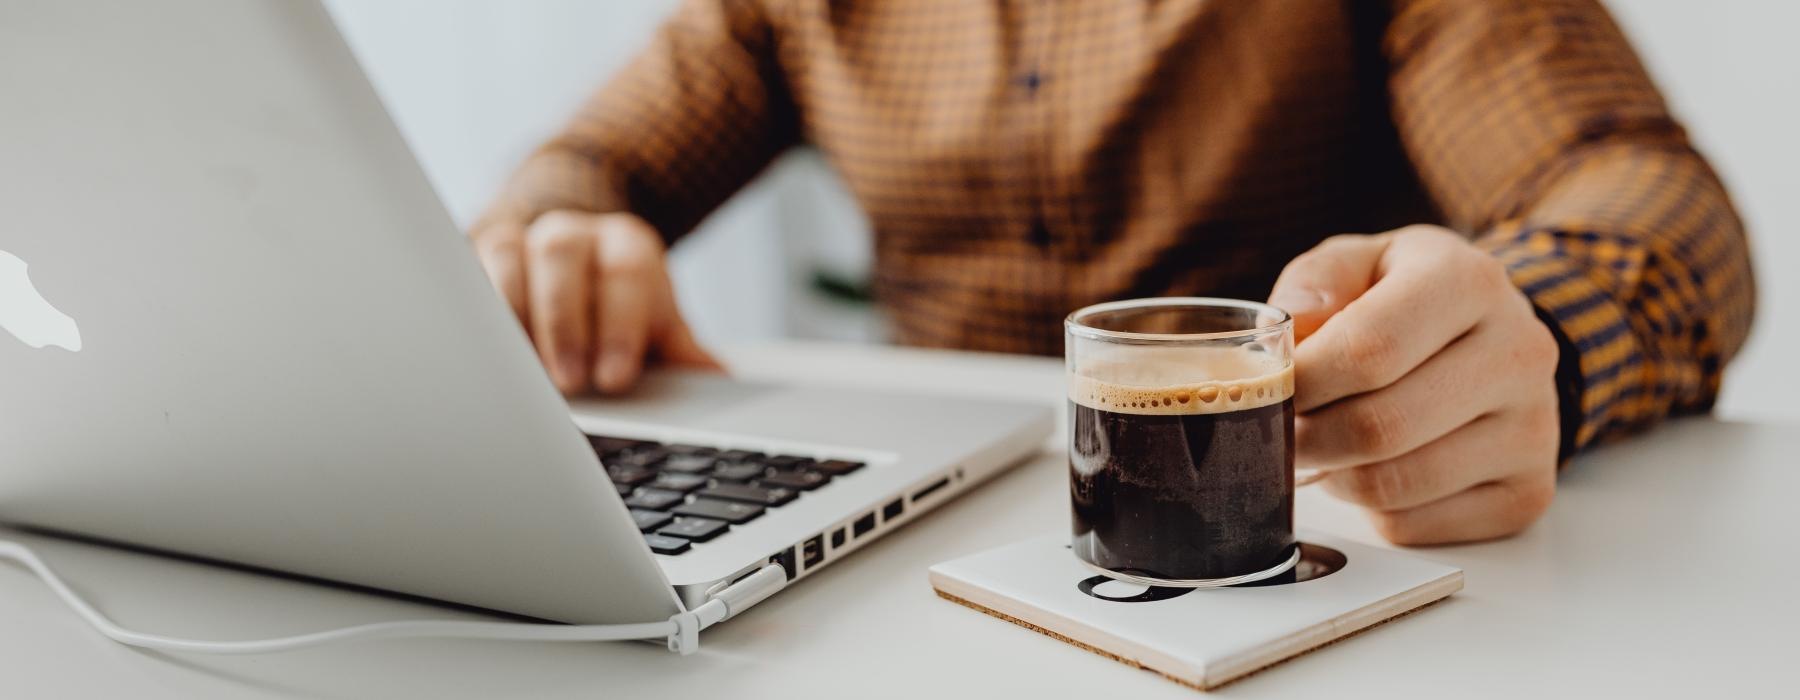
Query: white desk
pixel 1667 567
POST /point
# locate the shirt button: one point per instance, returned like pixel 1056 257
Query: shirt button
pixel 1030 81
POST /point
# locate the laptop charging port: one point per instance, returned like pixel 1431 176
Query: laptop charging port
pixel 813 552
pixel 786 560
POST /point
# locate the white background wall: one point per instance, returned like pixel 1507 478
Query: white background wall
pixel 476 83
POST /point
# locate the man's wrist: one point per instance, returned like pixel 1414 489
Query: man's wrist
pixel 1568 387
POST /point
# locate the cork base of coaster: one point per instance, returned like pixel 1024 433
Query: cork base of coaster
pixel 1183 681
pixel 1199 638
pixel 1066 640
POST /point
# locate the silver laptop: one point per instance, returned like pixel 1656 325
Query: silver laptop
pixel 238 323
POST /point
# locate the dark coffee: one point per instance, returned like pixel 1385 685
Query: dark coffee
pixel 1186 481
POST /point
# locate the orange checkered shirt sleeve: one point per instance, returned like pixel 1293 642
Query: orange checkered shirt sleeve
pixel 690 121
pixel 1534 123
pixel 1019 160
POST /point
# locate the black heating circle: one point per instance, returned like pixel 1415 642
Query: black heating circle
pixel 1148 595
pixel 1316 562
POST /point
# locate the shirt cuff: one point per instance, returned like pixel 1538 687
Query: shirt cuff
pixel 1599 355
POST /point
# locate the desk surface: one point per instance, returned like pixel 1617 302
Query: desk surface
pixel 1666 567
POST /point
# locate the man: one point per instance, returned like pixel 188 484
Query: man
pixel 1555 265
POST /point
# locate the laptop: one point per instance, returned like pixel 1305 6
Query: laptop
pixel 237 323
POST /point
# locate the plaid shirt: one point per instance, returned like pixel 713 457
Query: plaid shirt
pixel 1020 159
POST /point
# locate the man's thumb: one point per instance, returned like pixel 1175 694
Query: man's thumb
pixel 679 348
pixel 1322 281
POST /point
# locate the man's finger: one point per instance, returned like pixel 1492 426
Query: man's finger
pixel 675 342
pixel 1431 291
pixel 1323 280
pixel 1479 452
pixel 679 347
pixel 628 268
pixel 560 259
pixel 502 255
pixel 1439 396
pixel 1490 510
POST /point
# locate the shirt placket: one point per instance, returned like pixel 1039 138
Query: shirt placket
pixel 1035 82
pixel 1032 82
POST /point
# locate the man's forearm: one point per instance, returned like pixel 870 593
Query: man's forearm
pixel 692 118
pixel 1534 126
pixel 1636 257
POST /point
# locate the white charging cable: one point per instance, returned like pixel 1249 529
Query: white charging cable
pixel 682 630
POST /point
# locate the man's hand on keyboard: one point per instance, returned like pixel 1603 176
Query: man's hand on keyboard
pixel 593 291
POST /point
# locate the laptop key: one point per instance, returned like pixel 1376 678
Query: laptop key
pixel 745 493
pixel 734 513
pixel 690 450
pixel 667 545
pixel 838 467
pixel 695 529
pixel 648 520
pixel 655 499
pixel 624 489
pixel 798 481
pixel 738 471
pixel 689 464
pixel 644 458
pixel 611 445
pixel 740 455
pixel 787 462
pixel 629 476
pixel 672 481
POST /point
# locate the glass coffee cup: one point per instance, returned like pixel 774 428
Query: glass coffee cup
pixel 1181 440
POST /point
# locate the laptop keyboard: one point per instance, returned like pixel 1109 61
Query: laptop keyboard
pixel 683 494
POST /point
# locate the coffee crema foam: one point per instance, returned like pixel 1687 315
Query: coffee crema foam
pixel 1185 381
